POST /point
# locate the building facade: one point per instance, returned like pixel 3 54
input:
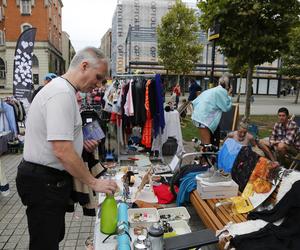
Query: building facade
pixel 134 47
pixel 142 16
pixel 106 45
pixel 68 50
pixel 19 15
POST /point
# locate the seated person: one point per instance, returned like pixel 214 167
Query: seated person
pixel 246 139
pixel 285 137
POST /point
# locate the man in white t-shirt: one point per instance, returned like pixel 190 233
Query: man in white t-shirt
pixel 53 147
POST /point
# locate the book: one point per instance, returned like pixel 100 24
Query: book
pixel 93 131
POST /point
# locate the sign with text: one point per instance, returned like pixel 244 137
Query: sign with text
pixel 22 74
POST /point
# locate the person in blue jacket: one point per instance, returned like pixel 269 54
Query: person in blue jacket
pixel 208 108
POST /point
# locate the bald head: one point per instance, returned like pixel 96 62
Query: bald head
pixel 88 69
pixel 91 55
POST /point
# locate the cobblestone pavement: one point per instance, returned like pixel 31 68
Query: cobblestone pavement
pixel 13 222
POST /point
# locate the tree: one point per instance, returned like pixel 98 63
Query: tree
pixel 178 39
pixel 255 31
pixel 291 60
pixel 236 68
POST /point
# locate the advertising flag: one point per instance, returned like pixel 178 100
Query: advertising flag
pixel 22 74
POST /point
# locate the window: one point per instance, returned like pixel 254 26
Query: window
pixel 2 40
pixel 25 7
pixel 25 26
pixel 50 11
pixel 1 13
pixel 2 69
pixel 54 21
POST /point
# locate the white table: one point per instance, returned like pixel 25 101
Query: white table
pixel 111 243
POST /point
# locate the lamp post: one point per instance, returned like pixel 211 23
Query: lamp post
pixel 213 35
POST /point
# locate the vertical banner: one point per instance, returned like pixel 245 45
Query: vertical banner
pixel 22 74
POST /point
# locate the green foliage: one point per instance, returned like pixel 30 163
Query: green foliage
pixel 178 42
pixel 236 67
pixel 291 60
pixel 251 29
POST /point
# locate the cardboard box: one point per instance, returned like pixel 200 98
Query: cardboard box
pixel 219 191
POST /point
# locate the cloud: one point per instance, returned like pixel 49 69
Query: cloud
pixel 87 21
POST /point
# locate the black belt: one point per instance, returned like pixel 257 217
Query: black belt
pixel 41 169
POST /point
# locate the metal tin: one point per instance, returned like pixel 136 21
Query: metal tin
pixel 156 233
pixel 142 243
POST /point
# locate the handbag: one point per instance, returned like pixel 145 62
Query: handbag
pixel 170 146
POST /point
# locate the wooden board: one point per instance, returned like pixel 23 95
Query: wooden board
pixel 229 119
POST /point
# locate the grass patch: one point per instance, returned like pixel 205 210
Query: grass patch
pixel 263 120
pixel 265 125
pixel 188 129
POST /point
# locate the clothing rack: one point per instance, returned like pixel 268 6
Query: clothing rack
pixel 124 76
pixel 133 75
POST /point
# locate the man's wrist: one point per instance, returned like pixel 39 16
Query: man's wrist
pixel 92 183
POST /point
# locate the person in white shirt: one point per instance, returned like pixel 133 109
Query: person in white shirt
pixel 53 147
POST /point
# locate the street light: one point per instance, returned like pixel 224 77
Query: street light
pixel 213 35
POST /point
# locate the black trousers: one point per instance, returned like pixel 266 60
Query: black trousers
pixel 46 192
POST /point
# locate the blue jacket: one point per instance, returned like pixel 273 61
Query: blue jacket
pixel 208 107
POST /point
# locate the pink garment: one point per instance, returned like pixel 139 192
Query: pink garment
pixel 128 106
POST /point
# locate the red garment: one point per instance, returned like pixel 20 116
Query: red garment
pixel 164 194
pixel 147 130
pixel 177 91
pixel 113 118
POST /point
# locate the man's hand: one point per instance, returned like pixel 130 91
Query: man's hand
pixel 109 164
pixel 105 186
pixel 90 145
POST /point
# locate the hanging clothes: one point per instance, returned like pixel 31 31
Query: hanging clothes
pixel 138 96
pixel 159 117
pixel 172 129
pixel 128 106
pixel 147 130
pixel 4 125
pixel 10 115
pixel 152 98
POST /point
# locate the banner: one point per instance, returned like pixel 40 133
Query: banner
pixel 22 74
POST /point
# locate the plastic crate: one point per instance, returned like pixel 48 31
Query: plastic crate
pixel 180 227
pixel 148 216
pixel 176 214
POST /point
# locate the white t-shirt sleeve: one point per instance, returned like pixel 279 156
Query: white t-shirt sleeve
pixel 60 117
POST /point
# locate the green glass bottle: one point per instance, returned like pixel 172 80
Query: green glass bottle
pixel 109 215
